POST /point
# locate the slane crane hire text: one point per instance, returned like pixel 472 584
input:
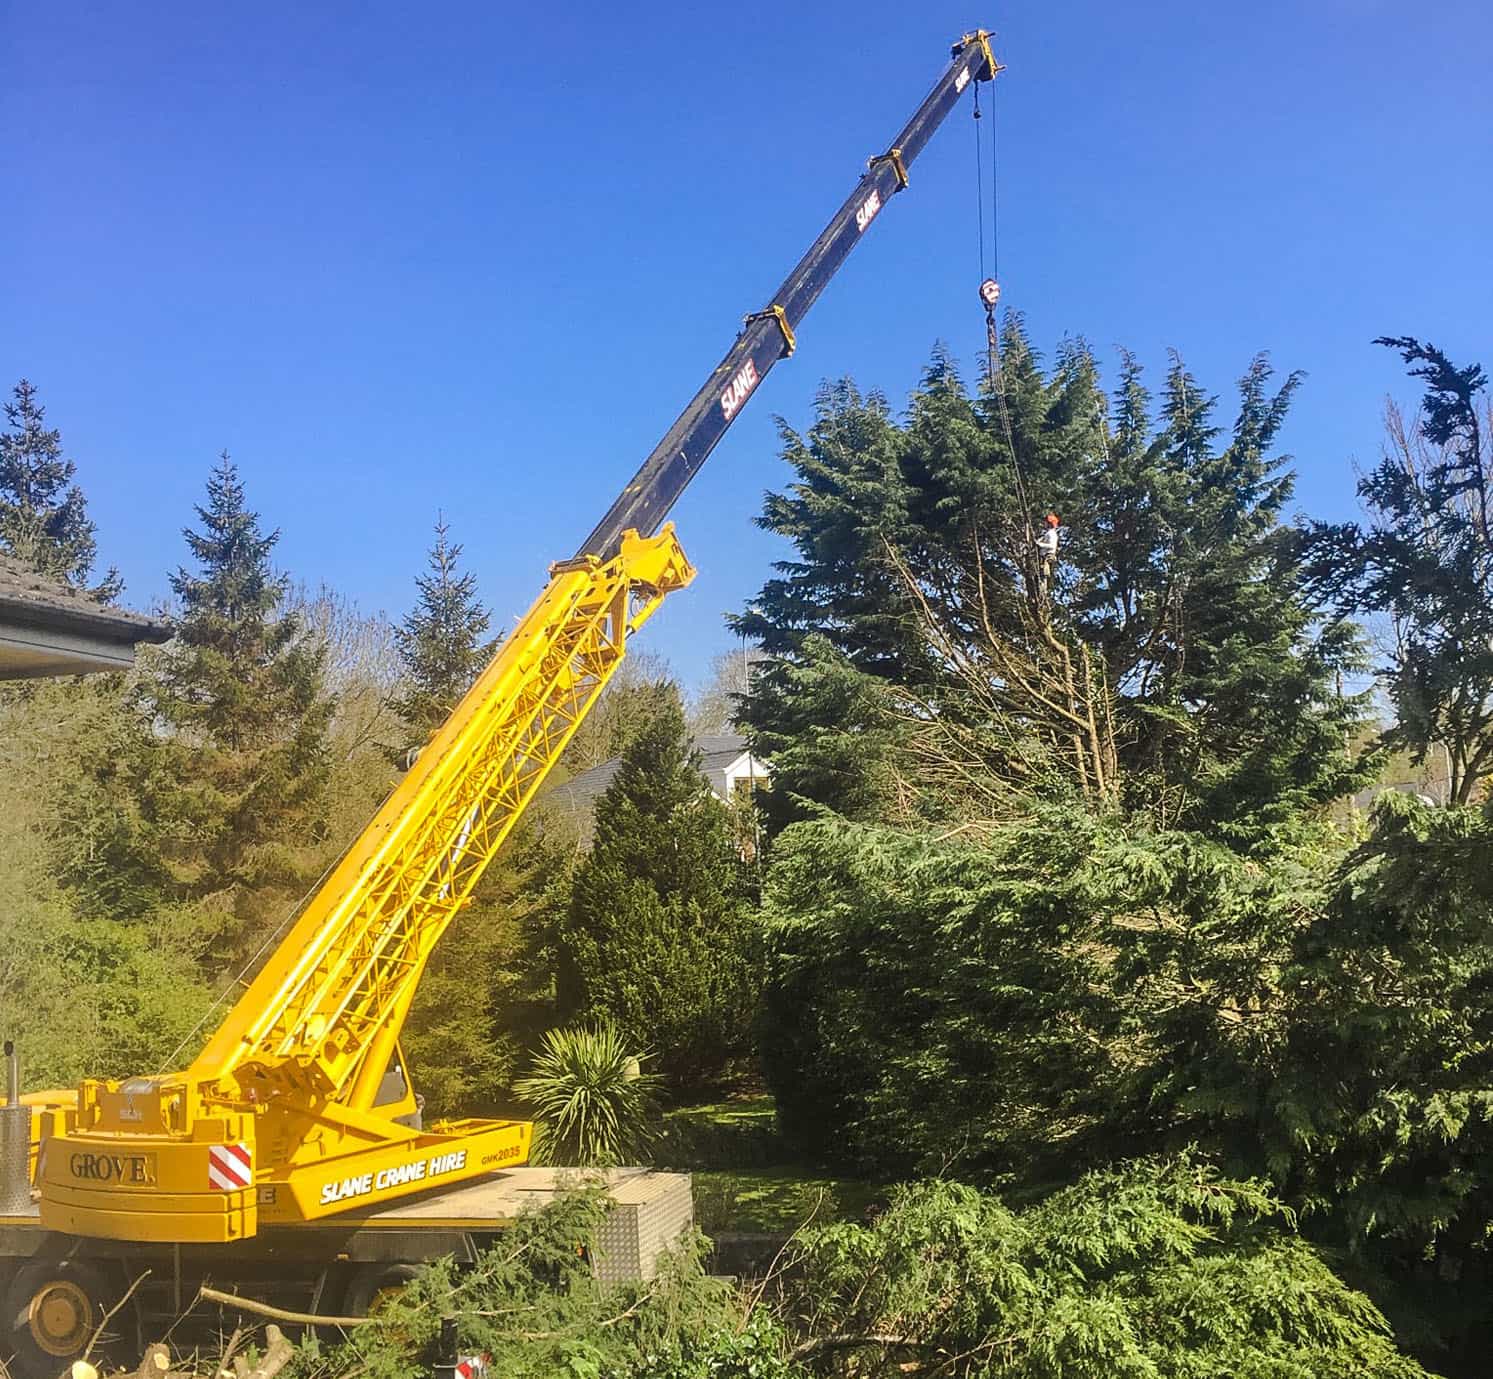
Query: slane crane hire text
pixel 398 1176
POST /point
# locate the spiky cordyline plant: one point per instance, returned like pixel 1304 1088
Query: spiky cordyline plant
pixel 590 1097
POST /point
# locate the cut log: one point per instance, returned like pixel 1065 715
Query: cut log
pixel 277 1354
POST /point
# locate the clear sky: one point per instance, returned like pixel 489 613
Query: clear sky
pixel 399 258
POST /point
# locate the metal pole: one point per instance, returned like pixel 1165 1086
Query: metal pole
pixel 15 1142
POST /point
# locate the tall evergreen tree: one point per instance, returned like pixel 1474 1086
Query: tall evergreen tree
pixel 240 689
pixel 44 518
pixel 658 938
pixel 1425 561
pixel 468 1017
pixel 1167 660
pixel 440 641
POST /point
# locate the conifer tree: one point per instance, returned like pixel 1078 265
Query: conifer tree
pixel 44 518
pixel 1425 560
pixel 657 940
pixel 619 714
pixel 440 641
pixel 240 687
pixel 1168 661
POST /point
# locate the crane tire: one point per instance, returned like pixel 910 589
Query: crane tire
pixel 371 1284
pixel 52 1312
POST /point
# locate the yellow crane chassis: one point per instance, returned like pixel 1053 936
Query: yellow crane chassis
pixel 205 1190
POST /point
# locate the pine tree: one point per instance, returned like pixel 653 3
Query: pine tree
pixel 240 689
pixel 44 518
pixel 1232 646
pixel 657 940
pixel 440 640
pixel 1426 561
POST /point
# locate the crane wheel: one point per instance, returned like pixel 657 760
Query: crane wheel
pixel 53 1312
pixel 374 1284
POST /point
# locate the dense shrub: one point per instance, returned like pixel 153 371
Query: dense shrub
pixel 1163 1269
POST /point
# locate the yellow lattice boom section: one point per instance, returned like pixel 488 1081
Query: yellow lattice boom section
pixel 324 1014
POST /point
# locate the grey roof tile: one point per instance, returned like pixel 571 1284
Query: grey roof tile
pixel 27 596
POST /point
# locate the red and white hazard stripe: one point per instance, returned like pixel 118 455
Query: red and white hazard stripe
pixel 230 1167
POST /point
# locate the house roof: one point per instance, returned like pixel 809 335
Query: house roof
pixel 49 628
pixel 719 754
pixel 579 794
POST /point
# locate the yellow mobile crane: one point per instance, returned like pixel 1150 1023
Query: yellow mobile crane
pixel 279 1151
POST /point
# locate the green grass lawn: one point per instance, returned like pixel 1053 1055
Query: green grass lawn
pixel 723 1135
pixel 778 1200
pixel 746 1179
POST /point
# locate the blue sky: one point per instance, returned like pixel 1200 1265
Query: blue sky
pixel 475 257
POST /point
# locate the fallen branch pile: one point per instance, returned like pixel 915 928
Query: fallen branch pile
pixel 156 1362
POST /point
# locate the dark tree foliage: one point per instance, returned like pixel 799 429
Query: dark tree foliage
pixel 658 940
pixel 441 640
pixel 1160 1269
pixel 1009 1009
pixel 240 691
pixel 1071 991
pixel 827 731
pixel 44 518
pixel 1168 662
pixel 1378 1094
pixel 1426 561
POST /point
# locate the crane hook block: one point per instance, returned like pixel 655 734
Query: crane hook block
pixel 990 293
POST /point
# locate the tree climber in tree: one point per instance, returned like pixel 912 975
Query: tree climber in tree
pixel 1047 543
